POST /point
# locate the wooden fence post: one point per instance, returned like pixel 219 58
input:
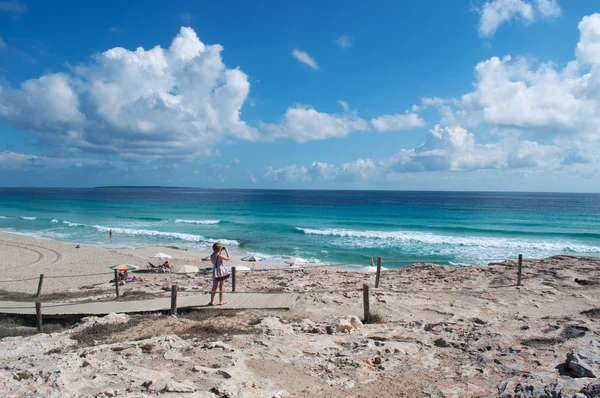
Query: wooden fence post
pixel 367 315
pixel 520 272
pixel 117 282
pixel 378 272
pixel 173 299
pixel 233 279
pixel 39 291
pixel 38 315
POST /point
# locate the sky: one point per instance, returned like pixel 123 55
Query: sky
pixel 476 95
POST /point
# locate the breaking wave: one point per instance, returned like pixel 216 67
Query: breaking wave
pixel 203 222
pixel 395 238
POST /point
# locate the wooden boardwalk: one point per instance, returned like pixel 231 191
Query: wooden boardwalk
pixel 233 301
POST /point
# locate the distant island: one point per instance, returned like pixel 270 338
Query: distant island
pixel 144 187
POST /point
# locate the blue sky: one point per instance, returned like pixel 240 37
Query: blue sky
pixel 431 95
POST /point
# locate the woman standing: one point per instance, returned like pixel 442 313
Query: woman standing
pixel 220 273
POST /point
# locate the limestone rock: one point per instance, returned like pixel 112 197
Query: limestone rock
pixel 273 326
pixel 175 386
pixel 346 324
pixel 585 361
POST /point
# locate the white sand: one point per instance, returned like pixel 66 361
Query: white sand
pixel 26 258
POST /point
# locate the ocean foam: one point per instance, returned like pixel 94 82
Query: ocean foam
pixel 73 224
pixel 54 220
pixel 2 216
pixel 28 218
pixel 169 235
pixel 394 238
pixel 203 222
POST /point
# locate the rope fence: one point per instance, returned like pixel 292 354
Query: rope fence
pixel 175 289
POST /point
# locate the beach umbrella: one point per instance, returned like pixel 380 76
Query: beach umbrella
pixel 186 269
pixel 162 256
pixel 124 267
pixel 296 260
pixel 252 258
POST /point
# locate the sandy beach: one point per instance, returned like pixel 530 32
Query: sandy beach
pixel 439 331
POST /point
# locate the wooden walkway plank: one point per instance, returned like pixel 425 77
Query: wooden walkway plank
pixel 232 301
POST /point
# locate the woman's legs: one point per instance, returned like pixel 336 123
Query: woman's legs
pixel 213 291
pixel 221 282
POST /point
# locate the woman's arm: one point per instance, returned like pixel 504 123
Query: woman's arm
pixel 224 257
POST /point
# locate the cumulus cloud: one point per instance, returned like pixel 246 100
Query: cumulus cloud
pixel 143 103
pixel 344 41
pixel 286 174
pixel 304 123
pixel 548 8
pixel 360 169
pixel 397 122
pixel 305 58
pixel 447 148
pixel 524 96
pixel 496 12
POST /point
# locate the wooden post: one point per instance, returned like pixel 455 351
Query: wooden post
pixel 367 317
pixel 520 272
pixel 39 291
pixel 233 279
pixel 117 282
pixel 173 299
pixel 38 315
pixel 378 272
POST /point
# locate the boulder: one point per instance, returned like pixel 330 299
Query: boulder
pixel 346 324
pixel 175 386
pixel 585 361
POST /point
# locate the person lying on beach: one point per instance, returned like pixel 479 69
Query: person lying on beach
pixel 219 273
pixel 166 267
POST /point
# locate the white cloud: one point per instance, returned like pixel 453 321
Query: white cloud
pixel 303 123
pixel 358 170
pixel 588 48
pixel 286 174
pixel 496 12
pixel 2 43
pixel 113 29
pixel 448 149
pixel 344 41
pixel 522 96
pixel 548 8
pixel 305 58
pixel 397 122
pixel 344 105
pixel 13 6
pixel 160 102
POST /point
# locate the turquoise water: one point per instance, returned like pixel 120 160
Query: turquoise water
pixel 326 226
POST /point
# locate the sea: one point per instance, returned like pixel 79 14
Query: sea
pixel 341 227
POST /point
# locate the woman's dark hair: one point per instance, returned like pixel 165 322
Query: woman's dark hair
pixel 216 247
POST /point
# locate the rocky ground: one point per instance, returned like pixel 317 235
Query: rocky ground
pixel 439 332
